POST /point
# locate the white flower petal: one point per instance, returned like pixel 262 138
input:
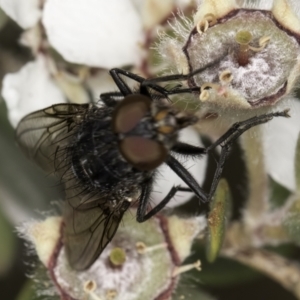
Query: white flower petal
pixel 182 4
pixel 166 178
pixel 25 13
pixel 32 38
pixel 279 140
pixel 97 33
pixel 256 4
pixel 286 12
pixel 295 5
pixel 153 11
pixel 101 83
pixel 215 7
pixel 29 89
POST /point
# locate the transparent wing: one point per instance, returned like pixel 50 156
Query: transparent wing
pixel 88 228
pixel 90 223
pixel 42 133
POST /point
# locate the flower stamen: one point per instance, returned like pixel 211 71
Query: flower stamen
pixel 243 38
pixel 226 77
pixel 204 95
pixel 89 287
pixel 142 248
pixel 182 269
pixel 207 21
pixel 111 294
pixel 117 256
pixel 263 41
pixel 204 90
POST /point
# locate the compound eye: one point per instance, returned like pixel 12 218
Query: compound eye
pixel 144 154
pixel 129 112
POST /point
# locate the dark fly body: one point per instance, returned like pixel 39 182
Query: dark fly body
pixel 107 155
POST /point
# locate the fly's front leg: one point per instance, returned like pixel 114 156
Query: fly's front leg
pixel 111 99
pixel 153 82
pixel 149 84
pixel 187 177
pixel 188 150
pixel 197 152
pixel 122 85
pixel 219 170
pixel 237 129
pixel 143 215
pixel 230 136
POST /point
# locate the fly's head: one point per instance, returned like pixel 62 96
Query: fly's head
pixel 147 130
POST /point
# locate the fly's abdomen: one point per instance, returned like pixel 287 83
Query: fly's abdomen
pixel 96 160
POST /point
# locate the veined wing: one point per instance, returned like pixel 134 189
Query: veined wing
pixel 42 133
pixel 89 228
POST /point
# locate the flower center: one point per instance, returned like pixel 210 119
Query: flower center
pixel 117 256
pixel 258 57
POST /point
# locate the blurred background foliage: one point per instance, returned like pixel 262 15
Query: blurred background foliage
pixel 25 191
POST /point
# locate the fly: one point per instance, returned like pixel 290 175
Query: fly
pixel 107 156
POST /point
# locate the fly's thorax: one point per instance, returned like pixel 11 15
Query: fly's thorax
pixel 146 130
pixel 116 201
pixel 126 193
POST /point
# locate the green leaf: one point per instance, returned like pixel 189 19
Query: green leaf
pixel 3 18
pixel 297 165
pixel 39 287
pixel 279 194
pixel 223 272
pixel 8 245
pixel 24 183
pixel 190 292
pixel 217 217
pixel 27 292
pixel 291 222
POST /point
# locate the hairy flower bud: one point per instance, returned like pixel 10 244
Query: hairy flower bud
pixel 141 262
pixel 256 54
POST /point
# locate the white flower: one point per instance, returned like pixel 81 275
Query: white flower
pixel 141 262
pixel 30 89
pixel 279 142
pixel 25 13
pixel 95 34
pixel 255 45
